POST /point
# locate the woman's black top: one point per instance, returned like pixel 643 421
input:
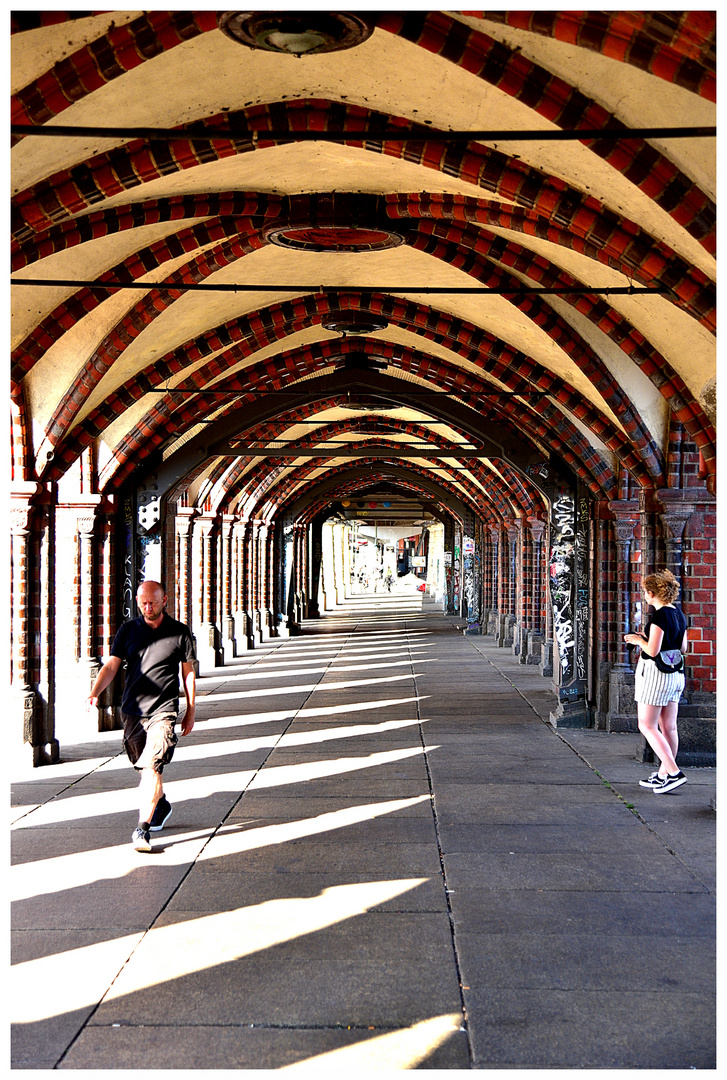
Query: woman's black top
pixel 672 621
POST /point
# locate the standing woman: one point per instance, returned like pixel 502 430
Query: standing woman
pixel 657 692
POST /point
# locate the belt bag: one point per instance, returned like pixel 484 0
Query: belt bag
pixel 668 661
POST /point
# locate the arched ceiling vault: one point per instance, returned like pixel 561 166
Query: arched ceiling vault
pixel 275 283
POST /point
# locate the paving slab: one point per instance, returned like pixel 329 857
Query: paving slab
pixel 381 856
pixel 620 1029
pixel 432 1046
pixel 516 911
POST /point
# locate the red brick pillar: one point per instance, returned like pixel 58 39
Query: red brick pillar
pixel 512 583
pixel 624 526
pixel 621 714
pixel 204 628
pixel 182 563
pixel 23 695
pixel 503 583
pixel 86 540
pixel 537 531
pixel 227 626
pixel 239 598
pixel 255 583
pixel 533 651
pixel 263 561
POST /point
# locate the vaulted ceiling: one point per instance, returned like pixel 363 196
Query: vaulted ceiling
pixel 343 268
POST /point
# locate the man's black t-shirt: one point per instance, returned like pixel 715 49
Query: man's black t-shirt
pixel 152 655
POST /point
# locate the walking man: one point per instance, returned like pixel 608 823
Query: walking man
pixel 152 647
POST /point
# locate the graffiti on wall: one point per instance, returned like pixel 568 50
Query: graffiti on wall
pixel 456 577
pixel 581 612
pixel 468 574
pixel 127 586
pixel 562 564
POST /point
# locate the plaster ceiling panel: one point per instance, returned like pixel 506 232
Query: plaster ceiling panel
pixel 625 91
pixel 29 305
pixel 687 346
pixel 33 52
pixel 48 380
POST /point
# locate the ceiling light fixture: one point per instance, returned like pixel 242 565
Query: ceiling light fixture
pixel 295 33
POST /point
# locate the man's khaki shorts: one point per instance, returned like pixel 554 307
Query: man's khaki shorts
pixel 149 741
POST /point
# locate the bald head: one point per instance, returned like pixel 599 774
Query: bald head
pixel 151 600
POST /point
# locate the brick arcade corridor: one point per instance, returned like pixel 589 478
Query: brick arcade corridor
pixel 380 856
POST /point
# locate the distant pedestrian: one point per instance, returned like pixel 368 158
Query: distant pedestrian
pixel 659 680
pixel 152 646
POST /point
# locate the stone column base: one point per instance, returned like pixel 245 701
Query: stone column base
pixel 228 638
pixel 621 715
pixel 208 653
pixel 532 652
pixel 266 629
pixel 32 751
pixel 546 660
pixel 239 632
pixel 570 714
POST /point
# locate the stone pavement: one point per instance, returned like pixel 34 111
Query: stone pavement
pixel 380 857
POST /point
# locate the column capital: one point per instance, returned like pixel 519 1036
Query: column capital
pixel 624 508
pixel 20 518
pixel 537 528
pixel 184 519
pixel 205 523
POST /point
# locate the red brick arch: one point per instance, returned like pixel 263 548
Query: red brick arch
pixel 126 47
pixel 64 195
pixel 677 46
pixel 482 242
pixel 505 364
pixel 522 493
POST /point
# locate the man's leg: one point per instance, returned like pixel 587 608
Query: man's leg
pixel 151 789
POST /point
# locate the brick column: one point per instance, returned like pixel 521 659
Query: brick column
pixel 227 625
pixel 87 655
pixel 674 520
pixel 255 587
pixel 182 563
pixel 239 605
pixel 503 591
pixel 270 596
pixel 533 652
pixel 261 609
pixel 621 708
pixel 22 693
pixel 512 568
pixel 624 525
pixel 204 628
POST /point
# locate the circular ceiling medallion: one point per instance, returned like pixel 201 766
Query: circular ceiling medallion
pixel 295 33
pixel 332 238
pixel 354 322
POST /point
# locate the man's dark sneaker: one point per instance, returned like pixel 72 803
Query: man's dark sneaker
pixel 140 839
pixel 669 783
pixel 650 781
pixel 161 814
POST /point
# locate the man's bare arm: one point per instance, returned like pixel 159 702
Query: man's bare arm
pixel 190 689
pixel 104 677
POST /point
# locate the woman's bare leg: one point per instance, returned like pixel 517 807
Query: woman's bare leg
pixel 649 727
pixel 668 725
